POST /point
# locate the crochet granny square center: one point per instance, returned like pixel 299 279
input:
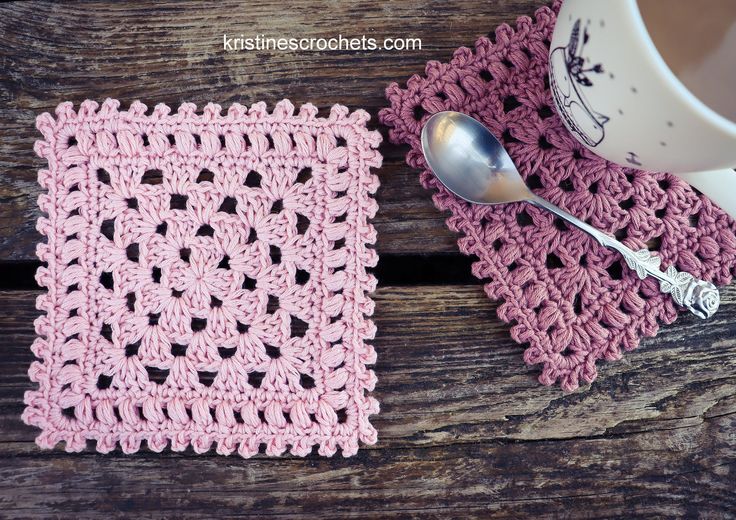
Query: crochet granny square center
pixel 207 279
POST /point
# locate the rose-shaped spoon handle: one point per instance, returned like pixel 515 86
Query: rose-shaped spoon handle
pixel 699 297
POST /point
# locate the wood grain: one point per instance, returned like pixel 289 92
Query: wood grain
pixel 464 430
pixel 172 53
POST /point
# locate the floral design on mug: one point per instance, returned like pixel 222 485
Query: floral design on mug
pixel 568 78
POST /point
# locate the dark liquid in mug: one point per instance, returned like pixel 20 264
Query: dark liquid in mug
pixel 697 39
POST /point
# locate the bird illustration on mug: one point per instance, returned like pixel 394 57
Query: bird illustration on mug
pixel 568 78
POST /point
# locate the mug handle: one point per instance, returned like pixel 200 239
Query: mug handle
pixel 718 185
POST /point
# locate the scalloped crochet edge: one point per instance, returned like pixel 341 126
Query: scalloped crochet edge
pixel 38 411
pixel 405 130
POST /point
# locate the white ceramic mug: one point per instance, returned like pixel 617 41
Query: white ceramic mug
pixel 618 97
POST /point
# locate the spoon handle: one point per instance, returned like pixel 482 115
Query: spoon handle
pixel 699 297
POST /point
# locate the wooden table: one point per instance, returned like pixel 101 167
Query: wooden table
pixel 465 428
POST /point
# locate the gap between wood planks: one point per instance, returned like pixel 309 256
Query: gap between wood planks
pixel 392 270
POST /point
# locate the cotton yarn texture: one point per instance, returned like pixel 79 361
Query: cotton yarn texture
pixel 570 301
pixel 206 277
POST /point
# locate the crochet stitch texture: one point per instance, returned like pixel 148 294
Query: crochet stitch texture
pixel 206 279
pixel 569 300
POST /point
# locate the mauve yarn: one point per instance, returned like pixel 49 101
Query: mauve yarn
pixel 570 301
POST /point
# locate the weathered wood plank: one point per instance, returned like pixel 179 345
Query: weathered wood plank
pixel 680 473
pixel 464 428
pixel 448 368
pixel 172 52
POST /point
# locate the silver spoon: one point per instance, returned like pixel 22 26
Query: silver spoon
pixel 474 165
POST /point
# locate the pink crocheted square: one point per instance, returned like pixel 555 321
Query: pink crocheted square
pixel 569 300
pixel 206 279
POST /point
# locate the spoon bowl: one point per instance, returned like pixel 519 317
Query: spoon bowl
pixel 471 163
pixel 467 158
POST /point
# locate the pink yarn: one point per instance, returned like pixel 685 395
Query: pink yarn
pixel 206 279
pixel 571 301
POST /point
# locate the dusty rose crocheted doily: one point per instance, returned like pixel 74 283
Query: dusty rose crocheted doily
pixel 206 279
pixel 571 301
